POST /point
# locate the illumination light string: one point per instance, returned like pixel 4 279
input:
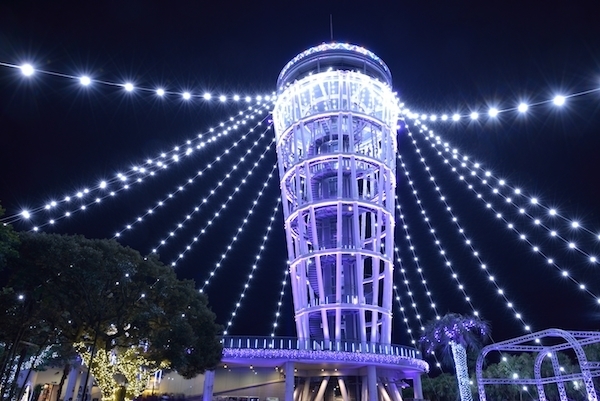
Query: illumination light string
pixel 239 230
pixel 190 181
pixel 286 274
pixel 438 243
pixel 417 263
pixel 218 212
pixel 408 288
pixel 146 169
pixel 535 248
pixel 468 242
pixel 85 80
pixel 519 194
pixel 492 112
pixel 256 258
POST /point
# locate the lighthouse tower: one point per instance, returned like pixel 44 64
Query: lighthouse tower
pixel 335 120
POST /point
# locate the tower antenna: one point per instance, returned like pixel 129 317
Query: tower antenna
pixel 331 26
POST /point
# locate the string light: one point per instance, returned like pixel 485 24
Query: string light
pixel 486 178
pixel 510 225
pixel 275 323
pixel 484 267
pixel 438 243
pixel 137 174
pixel 190 181
pixel 212 219
pixel 522 107
pixel 254 267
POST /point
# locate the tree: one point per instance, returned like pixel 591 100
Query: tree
pixel 69 289
pixel 453 334
pixel 8 242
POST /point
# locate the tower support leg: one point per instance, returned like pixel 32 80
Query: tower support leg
pixel 322 388
pixel 289 381
pixel 372 382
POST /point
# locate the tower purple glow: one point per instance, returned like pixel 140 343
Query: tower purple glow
pixel 335 120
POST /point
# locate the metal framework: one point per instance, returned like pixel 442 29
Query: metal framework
pixel 335 120
pixel 567 340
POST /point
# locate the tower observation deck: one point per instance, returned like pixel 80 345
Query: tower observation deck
pixel 335 120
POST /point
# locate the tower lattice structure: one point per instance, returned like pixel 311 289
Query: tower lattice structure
pixel 335 120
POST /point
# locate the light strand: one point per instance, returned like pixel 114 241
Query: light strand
pixel 492 112
pixel 442 252
pixel 517 196
pixel 286 274
pixel 29 70
pixel 210 221
pixel 416 261
pixel 484 267
pixel 511 226
pixel 134 175
pixel 254 267
pixel 200 172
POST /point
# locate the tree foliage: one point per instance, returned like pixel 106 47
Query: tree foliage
pixel 69 289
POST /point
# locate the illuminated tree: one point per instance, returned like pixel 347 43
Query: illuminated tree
pixel 108 297
pixel 453 334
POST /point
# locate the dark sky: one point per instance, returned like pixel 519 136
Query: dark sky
pixel 58 137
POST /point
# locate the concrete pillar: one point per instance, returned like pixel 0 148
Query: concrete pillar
pixel 364 393
pixel 322 389
pixel 289 381
pixel 343 389
pixel 71 382
pixel 372 382
pixel 417 388
pixel 306 396
pixel 384 394
pixel 396 394
pixel 209 382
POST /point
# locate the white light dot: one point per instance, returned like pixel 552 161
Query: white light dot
pixel 493 112
pixel 128 86
pixel 187 95
pixel 455 117
pixel 27 70
pixel 559 100
pixel 85 80
pixel 574 224
pixel 474 115
pixel 207 96
pixel 523 107
pixel 25 214
pixel 160 92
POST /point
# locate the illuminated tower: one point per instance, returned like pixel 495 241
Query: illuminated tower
pixel 335 120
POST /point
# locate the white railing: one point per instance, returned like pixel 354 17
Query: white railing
pixel 291 343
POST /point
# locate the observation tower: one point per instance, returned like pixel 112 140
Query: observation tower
pixel 335 121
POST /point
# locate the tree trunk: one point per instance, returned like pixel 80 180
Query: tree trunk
pixel 459 353
pixel 65 372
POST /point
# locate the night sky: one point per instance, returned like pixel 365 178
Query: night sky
pixel 456 56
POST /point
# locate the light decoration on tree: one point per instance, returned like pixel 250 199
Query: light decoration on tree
pixel 210 221
pixel 484 267
pixel 190 181
pixel 129 362
pixel 457 332
pixel 137 174
pixel 256 261
pixel 509 224
pixel 28 70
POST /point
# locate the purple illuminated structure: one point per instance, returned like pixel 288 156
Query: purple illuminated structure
pixel 335 121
